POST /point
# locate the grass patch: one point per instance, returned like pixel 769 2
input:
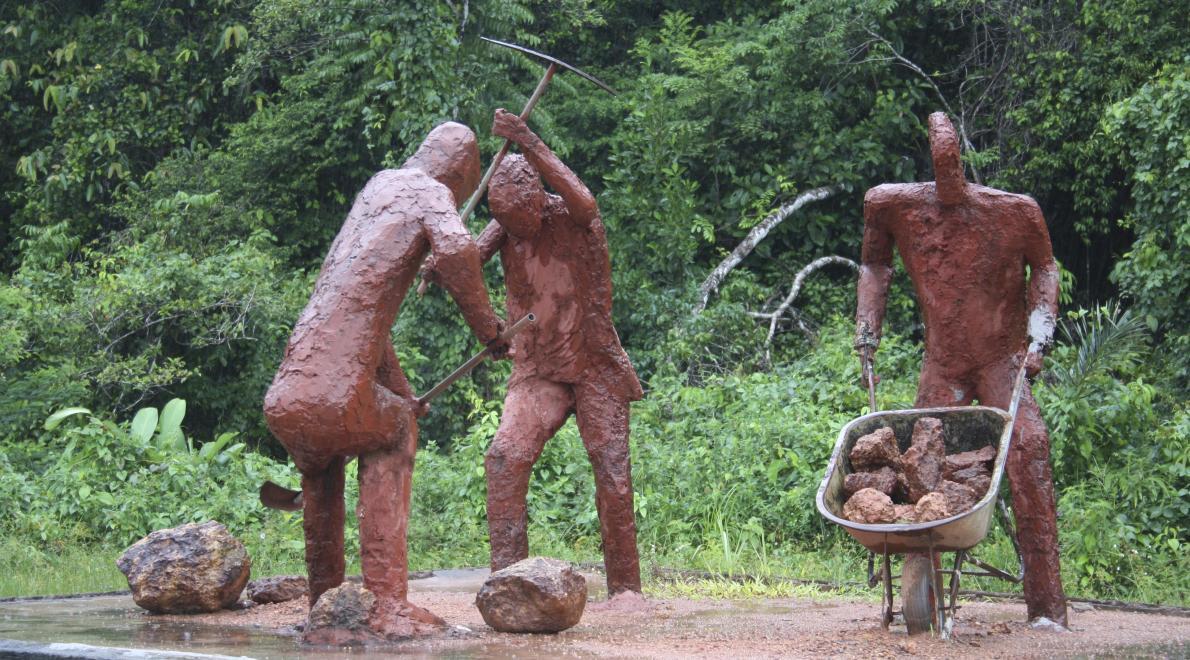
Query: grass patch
pixel 26 570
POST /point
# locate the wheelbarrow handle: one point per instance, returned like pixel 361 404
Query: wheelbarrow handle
pixel 1017 389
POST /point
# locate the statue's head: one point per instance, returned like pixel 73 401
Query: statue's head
pixel 516 196
pixel 450 156
pixel 950 184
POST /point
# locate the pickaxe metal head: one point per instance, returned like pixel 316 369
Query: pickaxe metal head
pixel 553 60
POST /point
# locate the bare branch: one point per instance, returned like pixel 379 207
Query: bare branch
pixel 754 237
pixel 795 289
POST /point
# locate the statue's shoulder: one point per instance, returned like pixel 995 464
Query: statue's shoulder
pixel 1004 200
pixel 897 193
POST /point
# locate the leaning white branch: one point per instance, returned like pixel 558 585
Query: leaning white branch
pixel 754 237
pixel 795 289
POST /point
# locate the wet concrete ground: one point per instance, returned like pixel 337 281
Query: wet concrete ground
pixel 669 629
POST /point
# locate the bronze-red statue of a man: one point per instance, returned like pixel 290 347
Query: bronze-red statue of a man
pixel 340 391
pixel 556 265
pixel 966 248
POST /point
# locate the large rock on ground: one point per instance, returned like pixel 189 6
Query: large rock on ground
pixel 535 595
pixel 277 589
pixel 922 463
pixel 875 450
pixel 340 617
pixel 186 570
pixel 870 506
pixel 883 480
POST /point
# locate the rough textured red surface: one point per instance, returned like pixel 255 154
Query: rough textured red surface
pixel 875 450
pixel 904 513
pixel 966 248
pixel 932 506
pixel 959 497
pixel 883 480
pixel 340 391
pixel 870 506
pixel 966 474
pixel 922 462
pixel 976 458
pixel 555 257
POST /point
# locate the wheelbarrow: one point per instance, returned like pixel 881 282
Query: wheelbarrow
pixel 965 428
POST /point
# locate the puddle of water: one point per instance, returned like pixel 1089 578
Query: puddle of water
pixel 116 621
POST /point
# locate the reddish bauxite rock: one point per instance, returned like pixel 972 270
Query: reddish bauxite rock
pixel 922 462
pixel 932 506
pixel 968 459
pixel 959 497
pixel 883 480
pixel 875 450
pixel 869 506
pixel 904 513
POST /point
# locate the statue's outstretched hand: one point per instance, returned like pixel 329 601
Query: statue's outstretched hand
pixel 509 126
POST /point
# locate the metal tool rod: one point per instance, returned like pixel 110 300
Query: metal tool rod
pixel 870 379
pixel 467 366
pixel 487 176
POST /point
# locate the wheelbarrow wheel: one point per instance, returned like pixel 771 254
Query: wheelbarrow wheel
pixel 915 594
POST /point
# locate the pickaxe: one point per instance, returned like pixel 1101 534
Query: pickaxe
pixel 554 65
pixel 280 497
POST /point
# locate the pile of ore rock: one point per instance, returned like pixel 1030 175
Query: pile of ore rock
pixel 921 485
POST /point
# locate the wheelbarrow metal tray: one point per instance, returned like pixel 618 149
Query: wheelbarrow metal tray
pixel 964 428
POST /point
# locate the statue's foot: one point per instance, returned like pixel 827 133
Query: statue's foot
pixel 625 601
pixel 399 619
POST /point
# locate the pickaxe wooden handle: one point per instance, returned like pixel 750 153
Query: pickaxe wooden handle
pixel 275 496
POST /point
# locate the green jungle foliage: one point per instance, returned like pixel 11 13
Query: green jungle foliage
pixel 172 172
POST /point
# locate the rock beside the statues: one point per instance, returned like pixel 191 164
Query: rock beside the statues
pixel 536 595
pixel 277 589
pixel 186 570
pixel 341 616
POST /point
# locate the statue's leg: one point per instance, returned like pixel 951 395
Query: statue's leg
pixel 322 519
pixel 603 423
pixel 534 410
pixel 385 488
pixel 1033 502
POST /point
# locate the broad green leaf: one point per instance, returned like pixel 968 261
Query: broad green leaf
pixel 144 423
pixel 55 419
pixel 171 418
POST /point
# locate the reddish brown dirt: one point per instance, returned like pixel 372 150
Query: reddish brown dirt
pixel 782 627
